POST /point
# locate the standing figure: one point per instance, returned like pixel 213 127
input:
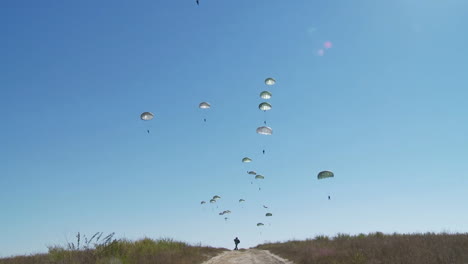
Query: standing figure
pixel 236 241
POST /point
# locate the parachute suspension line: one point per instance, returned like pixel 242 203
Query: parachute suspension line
pixel 264 146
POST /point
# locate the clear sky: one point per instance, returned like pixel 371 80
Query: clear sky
pixel 384 108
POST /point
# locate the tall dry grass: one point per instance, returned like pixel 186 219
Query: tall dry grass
pixel 376 248
pixel 113 251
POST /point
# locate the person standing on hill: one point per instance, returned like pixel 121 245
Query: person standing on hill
pixel 236 241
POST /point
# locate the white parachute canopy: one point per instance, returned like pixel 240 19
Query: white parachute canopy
pixel 265 95
pixel 264 130
pixel 270 81
pixel 246 160
pixel 264 106
pixel 146 116
pixel 204 105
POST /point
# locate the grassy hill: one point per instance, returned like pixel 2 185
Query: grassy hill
pixel 145 251
pixel 376 248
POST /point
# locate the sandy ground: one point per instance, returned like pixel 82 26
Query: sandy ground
pixel 250 256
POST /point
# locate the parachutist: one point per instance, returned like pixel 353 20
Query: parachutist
pixel 198 3
pixel 204 119
pixel 329 197
pixel 147 131
pixel 264 122
pixel 263 152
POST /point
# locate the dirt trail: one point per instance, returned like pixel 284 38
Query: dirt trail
pixel 249 256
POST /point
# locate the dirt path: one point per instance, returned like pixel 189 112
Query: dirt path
pixel 249 256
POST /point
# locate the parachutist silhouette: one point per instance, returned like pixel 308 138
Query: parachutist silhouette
pixel 198 3
pixel 147 131
pixel 264 122
pixel 263 152
pixel 204 119
pixel 329 197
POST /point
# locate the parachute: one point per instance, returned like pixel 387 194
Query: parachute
pixel 264 106
pixel 216 197
pixel 260 224
pixel 270 81
pixel 264 130
pixel 268 214
pixel 241 200
pixel 146 116
pixel 204 105
pixel 225 212
pixel 202 202
pixel 212 201
pixel 265 206
pixel 252 172
pixel 259 177
pixel 325 174
pixel 265 95
pixel 246 160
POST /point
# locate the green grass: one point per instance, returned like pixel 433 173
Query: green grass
pixel 112 251
pixel 376 248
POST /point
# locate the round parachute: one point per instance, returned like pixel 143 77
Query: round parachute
pixel 265 95
pixel 246 159
pixel 204 105
pixel 252 172
pixel 264 106
pixel 241 200
pixel 212 201
pixel 202 202
pixel 268 214
pixel 325 174
pixel 216 197
pixel 264 130
pixel 259 177
pixel 270 81
pixel 260 224
pixel 146 116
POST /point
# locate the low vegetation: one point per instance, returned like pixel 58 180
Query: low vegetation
pixel 112 251
pixel 376 248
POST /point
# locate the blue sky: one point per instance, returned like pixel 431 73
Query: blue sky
pixel 384 108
